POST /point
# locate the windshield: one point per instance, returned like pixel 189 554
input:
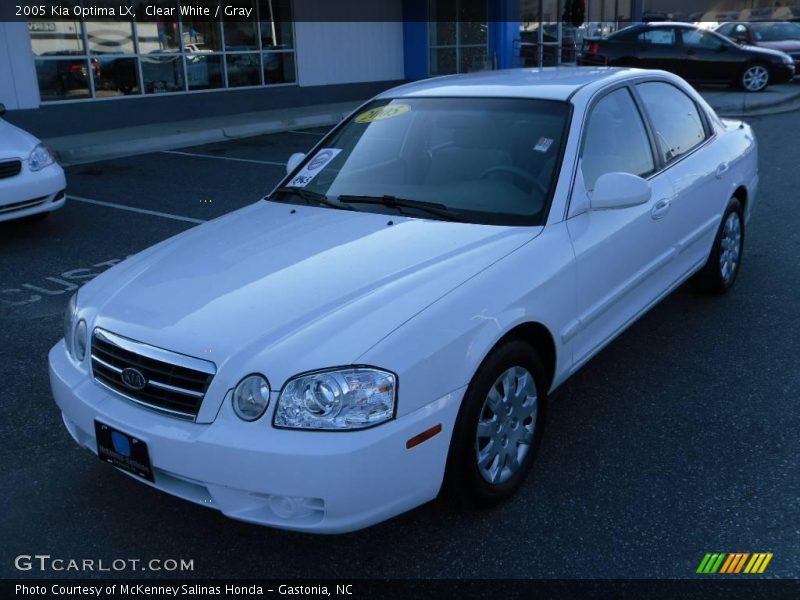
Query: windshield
pixel 776 32
pixel 481 160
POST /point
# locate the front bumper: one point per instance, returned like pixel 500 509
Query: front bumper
pixel 783 73
pixel 322 482
pixel 30 192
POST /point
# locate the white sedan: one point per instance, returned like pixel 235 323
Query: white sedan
pixel 390 321
pixel 31 182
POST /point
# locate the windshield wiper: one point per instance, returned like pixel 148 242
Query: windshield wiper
pixel 309 196
pixel 432 208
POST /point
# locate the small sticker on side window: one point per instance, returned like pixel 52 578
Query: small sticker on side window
pixel 314 166
pixel 543 145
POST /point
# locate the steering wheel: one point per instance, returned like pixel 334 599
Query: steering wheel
pixel 535 183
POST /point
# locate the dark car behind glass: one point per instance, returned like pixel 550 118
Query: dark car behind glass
pixel 695 54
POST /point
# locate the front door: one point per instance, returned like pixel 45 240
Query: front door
pixel 620 253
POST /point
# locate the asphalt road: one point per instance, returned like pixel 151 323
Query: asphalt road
pixel 681 438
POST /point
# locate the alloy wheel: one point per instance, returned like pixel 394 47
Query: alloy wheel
pixel 755 78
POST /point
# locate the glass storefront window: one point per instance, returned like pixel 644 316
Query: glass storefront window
pixel 243 70
pixel 115 76
pixel 56 38
pixel 204 71
pixel 164 54
pixel 108 37
pixel 278 67
pixel 241 35
pixel 458 35
pixel 157 34
pixel 199 36
pixel 275 18
pixel 162 74
pixel 63 79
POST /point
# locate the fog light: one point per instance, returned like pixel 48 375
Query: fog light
pixel 80 341
pixel 251 397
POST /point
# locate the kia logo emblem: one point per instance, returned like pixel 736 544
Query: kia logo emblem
pixel 133 379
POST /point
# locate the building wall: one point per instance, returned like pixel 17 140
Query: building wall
pixel 18 87
pixel 336 52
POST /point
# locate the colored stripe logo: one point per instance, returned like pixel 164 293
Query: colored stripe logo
pixel 734 562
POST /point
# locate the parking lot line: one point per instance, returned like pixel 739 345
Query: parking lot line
pixel 247 160
pixel 306 132
pixel 143 211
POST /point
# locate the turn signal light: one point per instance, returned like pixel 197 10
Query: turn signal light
pixel 425 435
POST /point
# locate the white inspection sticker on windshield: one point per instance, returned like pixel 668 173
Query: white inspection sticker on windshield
pixel 314 166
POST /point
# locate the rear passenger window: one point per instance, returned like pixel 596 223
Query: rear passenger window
pixel 616 140
pixel 661 37
pixel 675 117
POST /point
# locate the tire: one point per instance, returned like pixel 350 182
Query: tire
pixel 467 478
pixel 722 267
pixel 755 78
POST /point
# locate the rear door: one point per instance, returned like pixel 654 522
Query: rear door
pixel 694 167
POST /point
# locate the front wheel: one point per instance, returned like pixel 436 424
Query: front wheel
pixel 499 426
pixel 720 271
pixel 755 78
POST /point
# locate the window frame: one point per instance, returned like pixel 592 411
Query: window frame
pixel 643 117
pixel 662 166
pixel 708 130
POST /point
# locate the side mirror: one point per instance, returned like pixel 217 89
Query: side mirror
pixel 294 160
pixel 2 109
pixel 619 190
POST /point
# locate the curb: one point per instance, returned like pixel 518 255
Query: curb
pixel 71 153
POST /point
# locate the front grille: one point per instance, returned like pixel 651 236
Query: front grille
pixel 6 208
pixel 175 383
pixel 9 168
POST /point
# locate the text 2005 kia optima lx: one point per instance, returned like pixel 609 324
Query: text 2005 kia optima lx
pixel 390 320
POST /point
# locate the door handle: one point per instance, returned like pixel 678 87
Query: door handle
pixel 721 170
pixel 660 208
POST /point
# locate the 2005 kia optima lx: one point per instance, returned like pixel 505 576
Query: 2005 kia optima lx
pixel 392 317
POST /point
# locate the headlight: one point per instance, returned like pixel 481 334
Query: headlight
pixel 39 158
pixel 69 323
pixel 251 397
pixel 352 398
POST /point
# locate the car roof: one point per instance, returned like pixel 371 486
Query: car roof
pixel 548 83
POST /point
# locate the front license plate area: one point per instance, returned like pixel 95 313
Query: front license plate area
pixel 123 451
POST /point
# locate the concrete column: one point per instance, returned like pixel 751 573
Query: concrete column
pixel 18 86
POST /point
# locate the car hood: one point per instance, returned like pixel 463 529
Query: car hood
pixel 783 45
pixel 291 287
pixel 14 142
pixel 765 51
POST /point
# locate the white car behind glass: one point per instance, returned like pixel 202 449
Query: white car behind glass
pixel 31 182
pixel 390 321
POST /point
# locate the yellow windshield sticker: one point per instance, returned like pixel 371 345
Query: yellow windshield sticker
pixel 384 112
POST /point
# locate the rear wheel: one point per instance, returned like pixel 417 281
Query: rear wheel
pixel 755 78
pixel 499 426
pixel 720 271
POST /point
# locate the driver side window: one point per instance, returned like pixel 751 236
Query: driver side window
pixel 616 140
